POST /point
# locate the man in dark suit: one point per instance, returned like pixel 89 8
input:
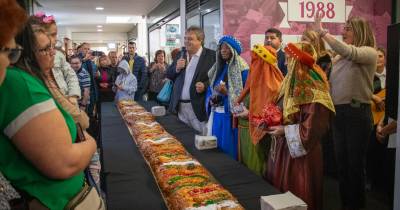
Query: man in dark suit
pixel 273 38
pixel 189 73
pixel 138 67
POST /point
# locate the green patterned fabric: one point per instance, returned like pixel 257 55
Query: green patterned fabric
pixel 252 156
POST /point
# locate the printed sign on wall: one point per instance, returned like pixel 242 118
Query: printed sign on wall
pixel 332 11
pixel 172 33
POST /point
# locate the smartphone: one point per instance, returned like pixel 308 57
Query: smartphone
pixel 97 53
pixel 80 136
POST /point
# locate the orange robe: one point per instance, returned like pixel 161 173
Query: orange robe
pixel 263 84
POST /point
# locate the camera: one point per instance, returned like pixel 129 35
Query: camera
pixel 97 53
pixel 217 100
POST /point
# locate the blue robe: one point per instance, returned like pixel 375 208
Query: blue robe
pixel 227 137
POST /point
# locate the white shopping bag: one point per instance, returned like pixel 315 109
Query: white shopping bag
pixel 285 201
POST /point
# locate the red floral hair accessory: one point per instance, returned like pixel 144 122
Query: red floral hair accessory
pixel 303 57
pixel 45 18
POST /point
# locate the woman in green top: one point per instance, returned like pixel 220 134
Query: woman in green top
pixel 38 153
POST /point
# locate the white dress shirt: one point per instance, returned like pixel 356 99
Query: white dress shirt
pixel 190 70
pixel 382 77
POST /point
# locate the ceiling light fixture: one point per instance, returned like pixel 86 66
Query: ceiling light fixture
pixel 99 8
pixel 99 26
pixel 124 19
pixel 117 19
pixel 99 30
pixel 111 45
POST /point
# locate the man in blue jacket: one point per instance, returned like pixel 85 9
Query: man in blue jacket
pixel 138 68
pixel 273 38
pixel 189 73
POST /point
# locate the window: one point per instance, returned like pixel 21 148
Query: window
pixel 212 29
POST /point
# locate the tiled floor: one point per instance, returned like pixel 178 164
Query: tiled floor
pixel 375 200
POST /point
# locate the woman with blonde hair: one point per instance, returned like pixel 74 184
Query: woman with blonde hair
pixel 105 80
pixel 352 89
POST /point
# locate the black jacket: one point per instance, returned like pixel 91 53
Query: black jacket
pixel 206 61
pixel 281 62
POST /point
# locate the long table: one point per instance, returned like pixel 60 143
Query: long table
pixel 130 184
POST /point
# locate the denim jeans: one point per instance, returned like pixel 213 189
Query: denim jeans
pixel 352 128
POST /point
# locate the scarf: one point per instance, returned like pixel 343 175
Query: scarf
pixel 305 82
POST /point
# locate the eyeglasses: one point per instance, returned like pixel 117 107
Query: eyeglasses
pixel 13 53
pixel 47 50
pixel 347 28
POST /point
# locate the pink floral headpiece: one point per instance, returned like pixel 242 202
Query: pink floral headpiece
pixel 44 18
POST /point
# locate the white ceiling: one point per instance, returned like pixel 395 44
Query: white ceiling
pixel 81 15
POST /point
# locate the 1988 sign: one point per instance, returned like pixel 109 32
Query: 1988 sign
pixel 333 11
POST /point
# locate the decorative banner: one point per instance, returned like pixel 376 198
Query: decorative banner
pixel 172 33
pixel 248 20
pixel 332 11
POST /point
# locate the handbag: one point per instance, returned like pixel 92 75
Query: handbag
pixel 165 94
pixel 87 198
pixel 7 193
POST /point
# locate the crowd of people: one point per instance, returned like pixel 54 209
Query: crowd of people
pixel 324 96
pixel 50 102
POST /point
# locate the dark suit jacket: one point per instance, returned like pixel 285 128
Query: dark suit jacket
pixel 206 61
pixel 281 62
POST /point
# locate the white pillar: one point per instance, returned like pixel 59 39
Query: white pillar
pixel 183 20
pixel 141 41
pixel 221 17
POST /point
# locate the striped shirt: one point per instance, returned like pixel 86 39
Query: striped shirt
pixel 84 79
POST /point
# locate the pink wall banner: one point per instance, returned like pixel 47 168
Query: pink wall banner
pixel 248 20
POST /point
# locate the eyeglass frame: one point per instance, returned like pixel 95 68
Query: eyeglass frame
pixel 47 50
pixel 13 53
pixel 348 28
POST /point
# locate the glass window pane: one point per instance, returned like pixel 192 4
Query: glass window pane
pixel 212 29
pixel 154 40
pixel 166 38
pixel 193 21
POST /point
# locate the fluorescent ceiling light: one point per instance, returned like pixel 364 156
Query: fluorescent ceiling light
pixel 111 45
pixel 99 26
pixel 99 8
pixel 99 30
pixel 122 19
